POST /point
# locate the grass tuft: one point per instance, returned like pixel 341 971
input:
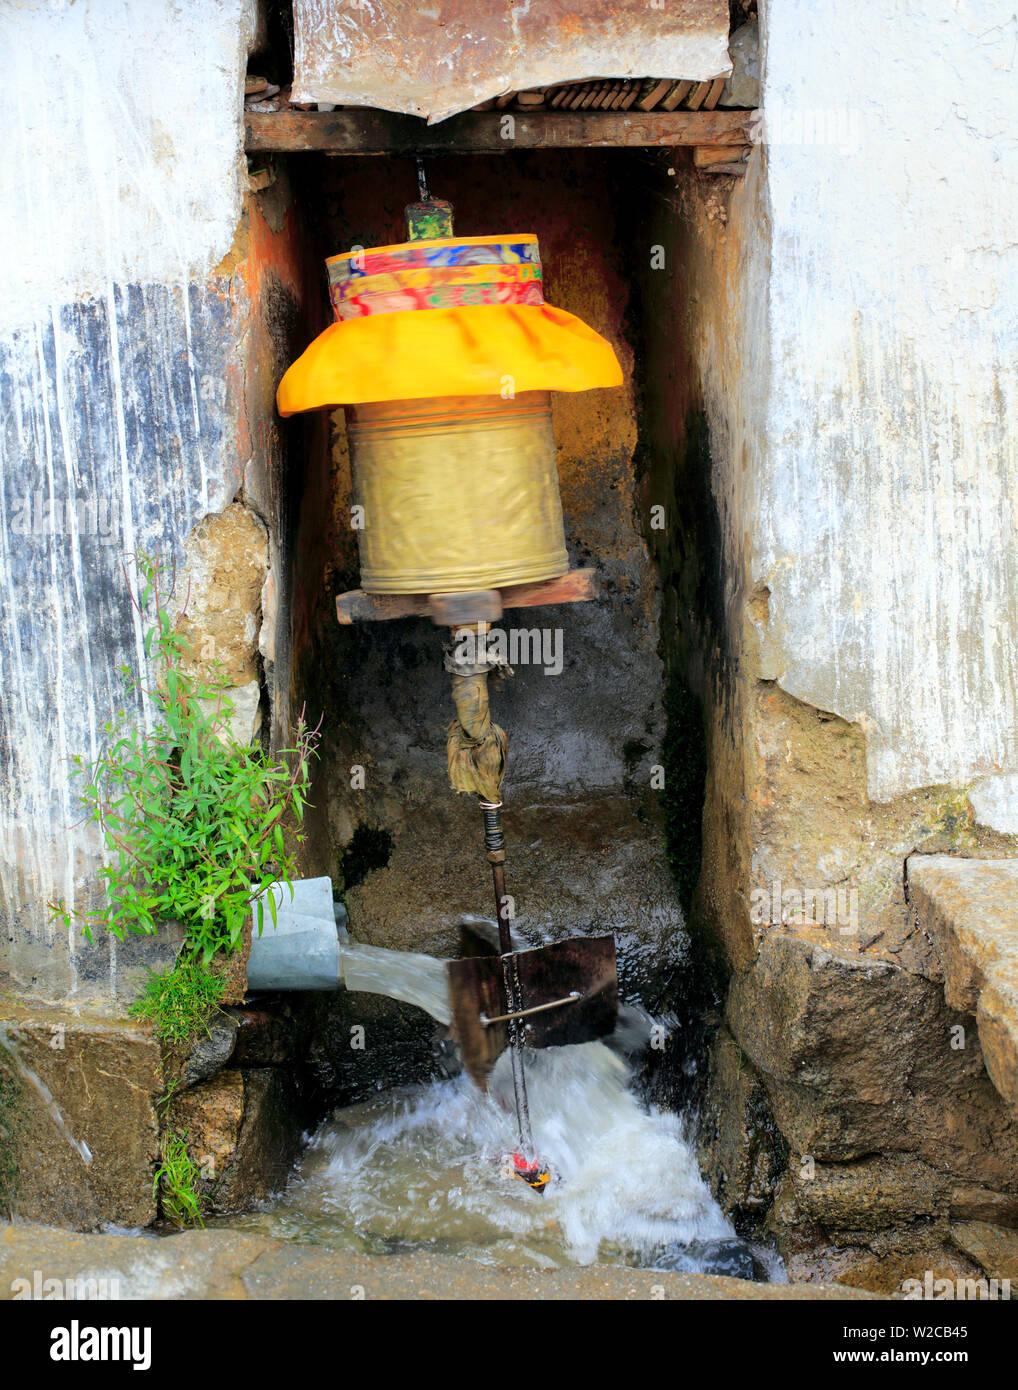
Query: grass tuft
pixel 180 1002
pixel 174 1184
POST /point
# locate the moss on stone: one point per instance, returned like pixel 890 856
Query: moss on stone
pixel 11 1122
pixel 633 750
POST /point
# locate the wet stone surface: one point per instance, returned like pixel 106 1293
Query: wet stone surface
pixel 229 1264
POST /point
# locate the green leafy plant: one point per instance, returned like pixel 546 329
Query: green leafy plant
pixel 195 825
pixel 174 1184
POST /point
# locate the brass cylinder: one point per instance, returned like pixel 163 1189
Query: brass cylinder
pixel 458 493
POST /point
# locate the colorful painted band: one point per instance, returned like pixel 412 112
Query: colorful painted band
pixel 438 297
pixel 515 250
pixel 419 279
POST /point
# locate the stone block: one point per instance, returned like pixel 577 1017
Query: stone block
pixel 243 1129
pixel 860 1056
pixel 739 1147
pixel 874 1194
pixel 78 1122
pixel 993 1248
pixel 969 908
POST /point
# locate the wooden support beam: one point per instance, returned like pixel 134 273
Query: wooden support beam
pixel 367 131
pixel 355 606
pixel 707 156
pixel 471 606
pixel 577 586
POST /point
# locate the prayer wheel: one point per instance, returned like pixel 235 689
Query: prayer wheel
pixel 463 491
pixel 444 353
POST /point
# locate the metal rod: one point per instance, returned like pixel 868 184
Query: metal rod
pixel 494 842
pixel 537 1009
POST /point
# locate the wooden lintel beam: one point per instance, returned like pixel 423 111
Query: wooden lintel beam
pixel 371 132
pixel 706 155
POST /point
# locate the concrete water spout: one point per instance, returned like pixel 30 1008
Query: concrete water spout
pixel 301 951
pixel 309 948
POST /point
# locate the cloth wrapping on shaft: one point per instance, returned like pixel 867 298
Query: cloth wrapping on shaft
pixel 475 746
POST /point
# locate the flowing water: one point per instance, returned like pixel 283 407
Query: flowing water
pixel 424 1167
pixel 405 975
pixel 45 1095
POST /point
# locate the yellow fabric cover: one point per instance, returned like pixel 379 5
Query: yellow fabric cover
pixel 469 351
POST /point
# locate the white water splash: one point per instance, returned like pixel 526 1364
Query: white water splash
pixel 424 1166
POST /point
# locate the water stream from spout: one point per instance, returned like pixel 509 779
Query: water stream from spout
pixel 406 975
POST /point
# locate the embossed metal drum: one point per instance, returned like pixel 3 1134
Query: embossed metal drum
pixel 458 493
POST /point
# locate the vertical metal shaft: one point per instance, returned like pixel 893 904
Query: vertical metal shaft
pixel 494 842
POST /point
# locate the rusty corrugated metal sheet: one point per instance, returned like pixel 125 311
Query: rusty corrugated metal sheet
pixel 436 57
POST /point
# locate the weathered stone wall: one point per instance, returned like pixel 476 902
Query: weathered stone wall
pixel 152 301
pixel 842 408
pixel 882 524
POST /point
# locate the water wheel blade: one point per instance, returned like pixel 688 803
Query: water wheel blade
pixel 584 965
